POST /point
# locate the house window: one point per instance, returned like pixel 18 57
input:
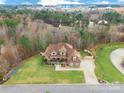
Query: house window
pixel 62 53
pixel 58 59
pixel 74 58
pixel 53 53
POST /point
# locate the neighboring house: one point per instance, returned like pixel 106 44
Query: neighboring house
pixel 102 22
pixel 63 54
pixel 91 24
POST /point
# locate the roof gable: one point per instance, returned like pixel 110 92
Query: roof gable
pixel 59 47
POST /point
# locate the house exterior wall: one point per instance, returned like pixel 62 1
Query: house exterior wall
pixel 62 54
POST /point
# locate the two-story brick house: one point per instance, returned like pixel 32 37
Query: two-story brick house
pixel 63 54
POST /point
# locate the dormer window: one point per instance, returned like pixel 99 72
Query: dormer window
pixel 74 58
pixel 62 51
pixel 53 53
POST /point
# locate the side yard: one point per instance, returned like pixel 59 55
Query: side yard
pixel 35 72
pixel 105 70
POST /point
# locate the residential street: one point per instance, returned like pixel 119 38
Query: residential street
pixel 116 57
pixel 62 89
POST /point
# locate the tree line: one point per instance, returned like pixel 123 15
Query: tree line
pixel 24 33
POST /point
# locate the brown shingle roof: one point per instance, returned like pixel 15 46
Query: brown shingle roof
pixel 56 47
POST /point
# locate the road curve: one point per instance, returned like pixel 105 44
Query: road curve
pixel 116 59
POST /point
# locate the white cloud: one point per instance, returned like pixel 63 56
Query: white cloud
pixel 102 2
pixel 55 2
pixel 26 3
pixel 2 1
pixel 121 0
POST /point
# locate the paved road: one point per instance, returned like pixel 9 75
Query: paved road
pixel 116 58
pixel 62 89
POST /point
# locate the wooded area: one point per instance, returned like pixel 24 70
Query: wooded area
pixel 24 33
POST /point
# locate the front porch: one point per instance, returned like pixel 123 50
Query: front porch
pixel 64 64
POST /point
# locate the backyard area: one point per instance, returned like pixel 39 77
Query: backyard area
pixel 105 70
pixel 34 71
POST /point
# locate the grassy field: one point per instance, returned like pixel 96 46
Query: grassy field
pixel 35 72
pixel 104 68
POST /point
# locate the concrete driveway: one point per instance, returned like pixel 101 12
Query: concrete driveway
pixel 89 71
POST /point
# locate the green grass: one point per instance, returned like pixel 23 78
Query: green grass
pixel 35 72
pixel 105 70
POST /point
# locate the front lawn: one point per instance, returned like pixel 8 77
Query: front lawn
pixel 105 70
pixel 35 72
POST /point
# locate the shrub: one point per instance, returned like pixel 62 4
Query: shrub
pixel 1 77
pixel 47 92
pixel 24 41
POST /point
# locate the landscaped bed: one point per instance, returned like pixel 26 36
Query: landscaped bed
pixel 34 71
pixel 105 70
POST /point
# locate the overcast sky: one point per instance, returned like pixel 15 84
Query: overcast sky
pixel 53 2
